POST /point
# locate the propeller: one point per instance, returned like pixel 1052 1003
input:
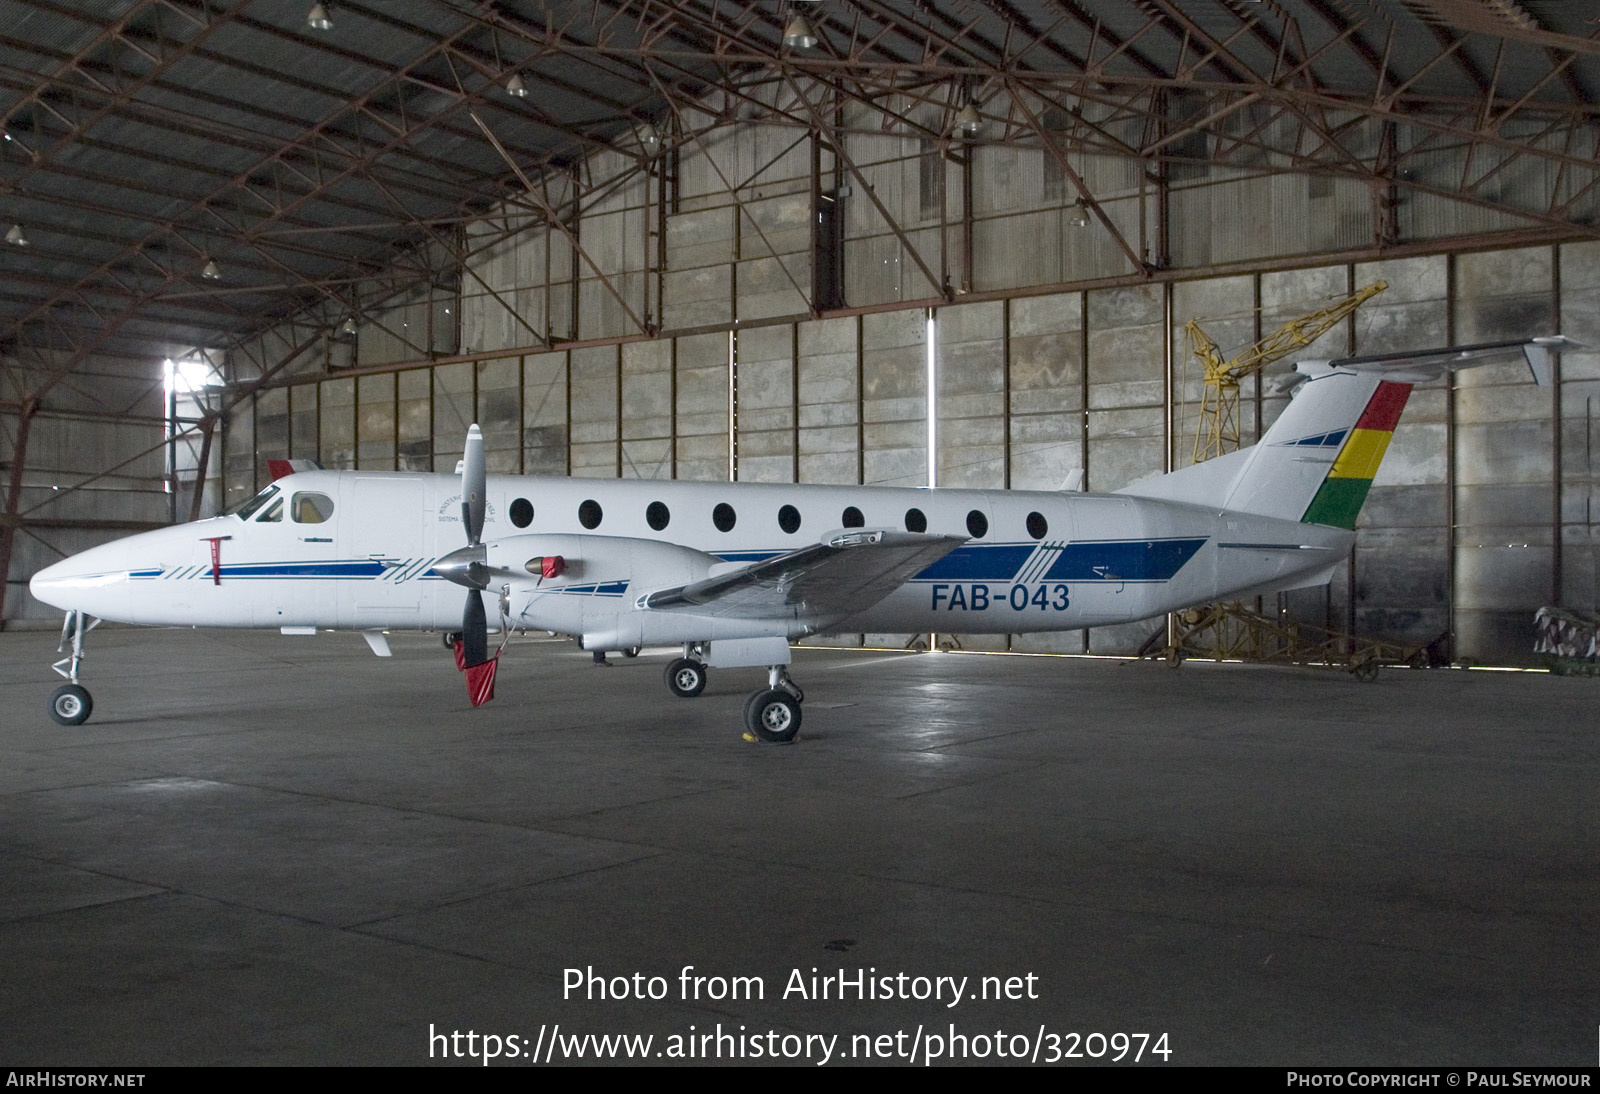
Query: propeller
pixel 468 566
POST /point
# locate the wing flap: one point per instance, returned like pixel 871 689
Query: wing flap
pixel 844 573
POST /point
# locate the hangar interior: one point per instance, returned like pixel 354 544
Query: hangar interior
pixel 675 241
pixel 903 242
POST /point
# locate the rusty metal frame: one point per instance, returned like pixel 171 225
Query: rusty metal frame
pixel 300 238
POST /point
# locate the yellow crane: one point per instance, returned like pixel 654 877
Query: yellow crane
pixel 1218 430
pixel 1228 631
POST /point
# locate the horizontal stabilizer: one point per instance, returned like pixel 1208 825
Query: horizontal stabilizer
pixel 849 570
pixel 1419 366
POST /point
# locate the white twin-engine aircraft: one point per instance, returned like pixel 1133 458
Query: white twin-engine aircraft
pixel 734 572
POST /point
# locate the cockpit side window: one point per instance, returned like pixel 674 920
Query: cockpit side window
pixel 252 505
pixel 309 508
pixel 274 512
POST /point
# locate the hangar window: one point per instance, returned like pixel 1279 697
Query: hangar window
pixel 252 505
pixel 916 521
pixel 656 515
pixel 789 519
pixel 521 512
pixel 309 508
pixel 852 517
pixel 1037 525
pixel 273 514
pixel 723 517
pixel 589 514
pixel 977 524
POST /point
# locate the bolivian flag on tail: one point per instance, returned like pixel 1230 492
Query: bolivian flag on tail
pixel 1338 501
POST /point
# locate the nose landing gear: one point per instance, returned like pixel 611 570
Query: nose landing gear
pixel 71 704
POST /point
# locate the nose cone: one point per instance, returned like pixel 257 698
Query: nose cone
pixel 95 581
pixel 51 583
pixel 99 581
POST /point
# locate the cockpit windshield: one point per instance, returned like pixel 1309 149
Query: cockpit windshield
pixel 247 509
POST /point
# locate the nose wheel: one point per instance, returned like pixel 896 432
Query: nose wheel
pixel 70 704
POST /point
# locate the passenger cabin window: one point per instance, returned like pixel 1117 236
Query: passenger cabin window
pixel 789 519
pixel 273 514
pixel 1037 525
pixel 916 521
pixel 724 517
pixel 308 508
pixel 521 512
pixel 589 514
pixel 657 515
pixel 977 524
pixel 852 517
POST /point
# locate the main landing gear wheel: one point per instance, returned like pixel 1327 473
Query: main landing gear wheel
pixel 71 705
pixel 451 638
pixel 686 678
pixel 631 651
pixel 773 716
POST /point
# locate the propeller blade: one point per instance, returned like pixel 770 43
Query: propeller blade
pixel 474 632
pixel 473 485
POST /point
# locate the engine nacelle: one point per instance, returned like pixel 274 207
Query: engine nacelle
pixel 596 580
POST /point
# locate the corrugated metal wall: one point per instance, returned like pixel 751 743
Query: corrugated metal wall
pixel 1461 529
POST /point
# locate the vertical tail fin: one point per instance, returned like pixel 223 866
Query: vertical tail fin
pixel 1339 499
pixel 1317 462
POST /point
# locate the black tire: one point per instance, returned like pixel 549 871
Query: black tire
pixel 451 638
pixel 631 651
pixel 686 678
pixel 71 705
pixel 773 716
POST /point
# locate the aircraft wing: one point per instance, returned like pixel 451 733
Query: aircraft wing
pixel 845 573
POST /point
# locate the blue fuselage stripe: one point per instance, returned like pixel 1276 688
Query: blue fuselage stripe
pixel 1108 560
pixel 979 562
pixel 1132 560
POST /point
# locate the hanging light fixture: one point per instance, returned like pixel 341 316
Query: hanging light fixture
pixel 515 87
pixel 649 139
pixel 968 122
pixel 317 18
pixel 209 271
pixel 348 328
pixel 16 236
pixel 1079 217
pixel 798 34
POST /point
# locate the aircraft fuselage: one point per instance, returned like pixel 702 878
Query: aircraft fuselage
pixel 356 550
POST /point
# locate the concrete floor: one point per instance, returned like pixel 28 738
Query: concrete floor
pixel 283 850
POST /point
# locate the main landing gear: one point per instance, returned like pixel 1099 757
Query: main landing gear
pixel 771 715
pixel 71 703
pixel 686 678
